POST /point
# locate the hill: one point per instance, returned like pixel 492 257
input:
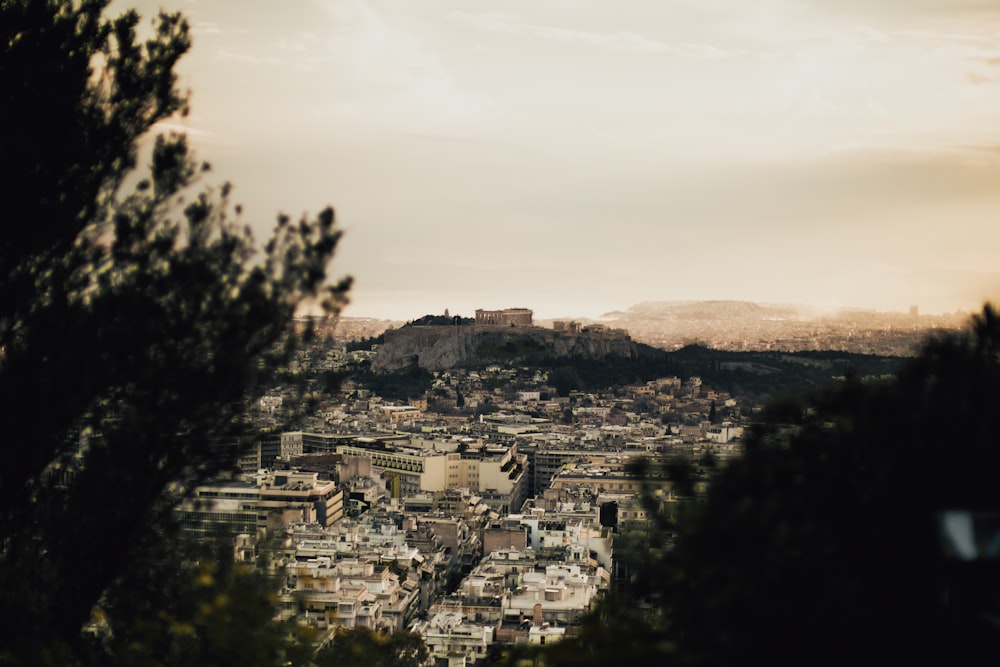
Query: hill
pixel 599 359
pixel 442 347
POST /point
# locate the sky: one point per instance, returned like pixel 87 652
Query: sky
pixel 580 156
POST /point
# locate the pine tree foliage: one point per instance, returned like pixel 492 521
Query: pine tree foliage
pixel 136 321
pixel 190 608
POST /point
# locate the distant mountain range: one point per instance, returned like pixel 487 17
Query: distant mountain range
pixel 728 309
pixel 711 310
pixel 744 325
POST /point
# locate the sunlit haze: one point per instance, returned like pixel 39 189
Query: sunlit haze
pixel 579 156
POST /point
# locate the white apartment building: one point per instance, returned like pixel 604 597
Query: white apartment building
pixel 449 637
pixel 497 470
pixel 319 599
pixel 564 592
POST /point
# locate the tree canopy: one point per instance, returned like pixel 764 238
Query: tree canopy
pixel 135 320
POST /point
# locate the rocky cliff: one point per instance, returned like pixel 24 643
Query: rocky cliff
pixel 443 347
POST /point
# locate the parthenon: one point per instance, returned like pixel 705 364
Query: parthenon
pixel 508 317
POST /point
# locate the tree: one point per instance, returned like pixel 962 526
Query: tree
pixel 364 647
pixel 823 543
pixel 829 527
pixel 565 379
pixel 567 416
pixel 134 325
pixel 194 607
pixel 708 459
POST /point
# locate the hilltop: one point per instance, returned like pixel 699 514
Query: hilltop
pixel 731 325
pixel 440 347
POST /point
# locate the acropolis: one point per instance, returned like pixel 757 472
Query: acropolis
pixel 508 317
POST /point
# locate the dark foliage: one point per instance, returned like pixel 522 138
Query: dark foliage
pixel 753 375
pixel 364 343
pixel 440 321
pixel 520 350
pixel 566 379
pixel 195 606
pixel 401 385
pixel 134 326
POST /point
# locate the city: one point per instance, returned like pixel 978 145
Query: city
pixel 550 334
pixel 481 514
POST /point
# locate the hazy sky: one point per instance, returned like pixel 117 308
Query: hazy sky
pixel 578 156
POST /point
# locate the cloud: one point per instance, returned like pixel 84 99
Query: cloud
pixel 188 126
pixel 300 43
pixel 866 33
pixel 626 41
pixel 210 28
pixel 989 149
pixel 181 128
pixel 909 10
pixel 379 64
pixel 940 36
pixel 248 58
pixel 944 155
pixel 978 79
pixel 205 28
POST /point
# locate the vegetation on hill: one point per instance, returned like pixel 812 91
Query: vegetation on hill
pixel 439 321
pixel 401 385
pixel 766 375
pixel 754 375
pixel 364 343
pixel 524 351
pixel 757 376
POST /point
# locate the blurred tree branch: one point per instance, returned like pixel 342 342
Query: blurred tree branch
pixel 134 326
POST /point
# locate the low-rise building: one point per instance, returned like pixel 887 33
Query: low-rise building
pixel 272 499
pixel 450 638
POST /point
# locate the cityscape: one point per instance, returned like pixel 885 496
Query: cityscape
pixel 741 325
pixel 525 333
pixel 481 513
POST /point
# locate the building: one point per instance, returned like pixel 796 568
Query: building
pixel 724 433
pixel 511 586
pixel 320 594
pixel 562 593
pixel 449 638
pixel 415 467
pixel 281 489
pixel 547 462
pixel 508 317
pixel 273 499
pixel 222 510
pixel 409 470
